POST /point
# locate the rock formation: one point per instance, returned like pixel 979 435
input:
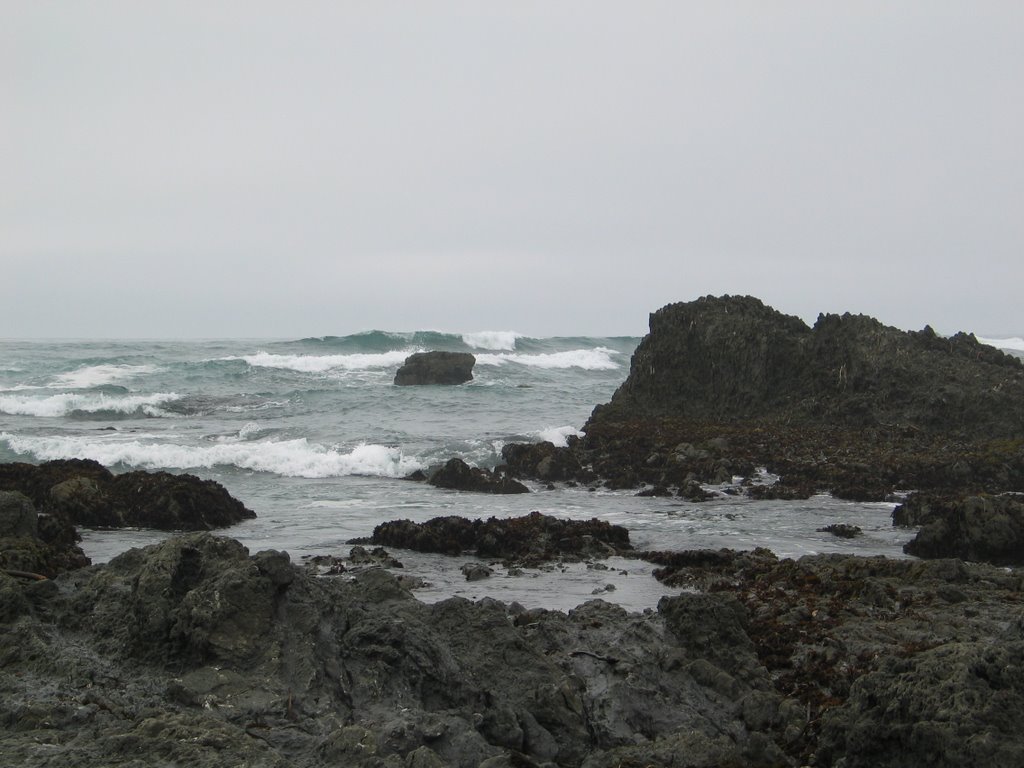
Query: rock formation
pixel 457 475
pixel 531 539
pixel 734 359
pixel 436 368
pixel 84 492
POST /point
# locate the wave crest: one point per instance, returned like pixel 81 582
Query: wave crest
pixel 66 404
pixel 325 363
pixel 597 359
pixel 290 458
pixel 98 375
pixel 496 340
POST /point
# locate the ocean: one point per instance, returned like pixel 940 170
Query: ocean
pixel 313 436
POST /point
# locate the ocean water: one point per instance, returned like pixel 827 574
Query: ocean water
pixel 313 436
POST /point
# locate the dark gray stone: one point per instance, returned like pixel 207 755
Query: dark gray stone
pixel 436 368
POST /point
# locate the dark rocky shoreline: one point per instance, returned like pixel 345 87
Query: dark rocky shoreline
pixel 196 652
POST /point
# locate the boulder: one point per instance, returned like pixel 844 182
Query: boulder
pixel 436 368
pixel 543 461
pixel 980 528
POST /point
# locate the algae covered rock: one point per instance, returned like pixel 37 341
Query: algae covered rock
pixel 83 492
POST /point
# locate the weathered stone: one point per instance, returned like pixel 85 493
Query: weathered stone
pixel 17 516
pixel 979 528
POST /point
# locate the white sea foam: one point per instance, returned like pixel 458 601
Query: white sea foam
pixel 97 375
pixel 291 458
pixel 245 433
pixel 324 363
pixel 1015 343
pixel 558 435
pixel 596 359
pixel 498 340
pixel 66 403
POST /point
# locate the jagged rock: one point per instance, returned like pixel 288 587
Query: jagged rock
pixel 732 358
pixel 436 368
pixel 723 385
pixel 457 475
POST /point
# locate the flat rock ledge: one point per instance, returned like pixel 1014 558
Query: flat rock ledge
pixel 527 540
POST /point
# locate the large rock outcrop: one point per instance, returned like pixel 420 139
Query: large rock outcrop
pixel 436 368
pixel 721 386
pixel 734 359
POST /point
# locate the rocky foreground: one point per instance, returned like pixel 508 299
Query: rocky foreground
pixel 194 652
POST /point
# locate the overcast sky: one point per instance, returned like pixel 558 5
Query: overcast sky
pixel 178 169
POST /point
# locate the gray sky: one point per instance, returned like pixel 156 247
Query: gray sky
pixel 174 169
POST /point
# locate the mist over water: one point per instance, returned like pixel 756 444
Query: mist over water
pixel 313 436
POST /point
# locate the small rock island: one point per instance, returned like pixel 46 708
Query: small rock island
pixel 436 368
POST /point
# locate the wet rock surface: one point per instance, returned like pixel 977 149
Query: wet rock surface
pixel 196 651
pixel 457 475
pixel 527 540
pixel 436 368
pixel 84 492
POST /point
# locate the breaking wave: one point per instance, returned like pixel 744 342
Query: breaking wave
pixel 290 458
pixel 325 363
pixel 68 404
pixel 98 375
pixel 596 359
pixel 559 436
pixel 496 340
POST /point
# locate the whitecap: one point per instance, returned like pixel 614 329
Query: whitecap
pixel 324 363
pixel 497 340
pixel 98 375
pixel 597 359
pixel 67 403
pixel 559 436
pixel 290 458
